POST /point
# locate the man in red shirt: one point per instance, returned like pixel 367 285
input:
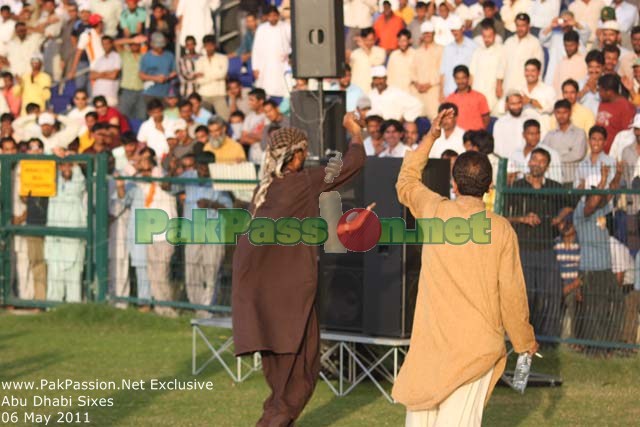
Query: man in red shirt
pixel 472 106
pixel 387 27
pixel 615 112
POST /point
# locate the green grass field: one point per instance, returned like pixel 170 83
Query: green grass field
pixel 90 342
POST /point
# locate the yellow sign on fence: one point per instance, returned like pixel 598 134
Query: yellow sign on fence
pixel 38 178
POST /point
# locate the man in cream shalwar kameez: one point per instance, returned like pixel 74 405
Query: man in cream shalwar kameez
pixel 270 54
pixel 457 350
pixel 64 255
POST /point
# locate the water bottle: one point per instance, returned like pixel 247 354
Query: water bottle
pixel 521 374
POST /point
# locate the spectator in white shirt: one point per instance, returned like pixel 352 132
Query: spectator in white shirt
pixel 452 135
pixel 507 131
pixel 536 95
pixel 374 143
pixel 7 27
pixel 362 60
pixel 411 135
pixel 105 73
pixel 152 131
pixel 389 102
pixel 520 48
pixel 392 133
pixel 81 108
pixel 519 159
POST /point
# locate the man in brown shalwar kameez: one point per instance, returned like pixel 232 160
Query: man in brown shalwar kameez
pixel 468 296
pixel 274 287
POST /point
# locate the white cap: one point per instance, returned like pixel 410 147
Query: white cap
pixel 610 25
pixel 37 56
pixel 378 71
pixel 83 5
pixel 179 124
pixel 46 119
pixel 454 22
pixel 170 132
pixel 427 27
pixel 636 122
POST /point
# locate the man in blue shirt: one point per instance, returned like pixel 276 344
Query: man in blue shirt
pixel 157 68
pixel 599 316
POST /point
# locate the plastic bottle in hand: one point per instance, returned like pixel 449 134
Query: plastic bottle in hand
pixel 521 374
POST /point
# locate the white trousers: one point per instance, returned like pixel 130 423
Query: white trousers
pixel 463 408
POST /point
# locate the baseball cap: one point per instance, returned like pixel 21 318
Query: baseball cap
pixel 95 19
pixel 608 14
pixel 378 71
pixel 636 122
pixel 427 27
pixel 454 22
pixel 46 119
pixel 179 124
pixel 363 102
pixel 158 40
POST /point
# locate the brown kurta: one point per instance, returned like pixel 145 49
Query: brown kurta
pixel 274 287
pixel 468 295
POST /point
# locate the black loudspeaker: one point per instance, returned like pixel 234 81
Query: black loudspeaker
pixel 228 24
pixel 306 115
pixel 318 38
pixel 379 299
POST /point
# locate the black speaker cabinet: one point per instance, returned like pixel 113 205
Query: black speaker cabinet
pixel 306 115
pixel 318 38
pixel 378 300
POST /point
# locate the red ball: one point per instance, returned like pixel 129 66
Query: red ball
pixel 359 230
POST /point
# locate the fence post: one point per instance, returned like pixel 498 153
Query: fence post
pixel 101 237
pixel 6 240
pixel 498 204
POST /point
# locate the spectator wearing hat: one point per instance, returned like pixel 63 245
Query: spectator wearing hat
pixel 366 56
pixel 487 65
pixel 387 27
pixel 510 11
pixel 363 107
pixel 425 72
pixel 626 14
pixel 458 52
pixel 55 133
pixel 400 61
pixel 157 68
pixel 184 144
pixel 36 85
pixel 424 13
pixel 211 73
pixel 390 102
pixel 20 49
pixel 90 44
pixel 521 47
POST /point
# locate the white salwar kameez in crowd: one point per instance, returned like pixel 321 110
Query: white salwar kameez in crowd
pixel 520 51
pixel 270 56
pixel 64 255
pixel 196 19
pixel 486 68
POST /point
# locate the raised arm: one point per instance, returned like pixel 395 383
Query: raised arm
pixel 411 191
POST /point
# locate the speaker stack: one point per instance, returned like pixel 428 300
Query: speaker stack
pixel 374 293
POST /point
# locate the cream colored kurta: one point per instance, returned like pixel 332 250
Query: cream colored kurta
pixel 399 63
pixel 487 67
pixel 519 51
pixel 426 69
pixel 589 14
pixel 463 308
pixel 361 63
pixel 569 68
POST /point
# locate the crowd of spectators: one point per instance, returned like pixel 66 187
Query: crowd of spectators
pixel 552 86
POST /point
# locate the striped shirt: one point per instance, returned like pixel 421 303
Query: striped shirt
pixel 568 257
pixel 187 68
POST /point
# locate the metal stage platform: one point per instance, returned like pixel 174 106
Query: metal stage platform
pixel 351 358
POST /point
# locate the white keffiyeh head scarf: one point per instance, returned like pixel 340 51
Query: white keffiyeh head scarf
pixel 283 143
